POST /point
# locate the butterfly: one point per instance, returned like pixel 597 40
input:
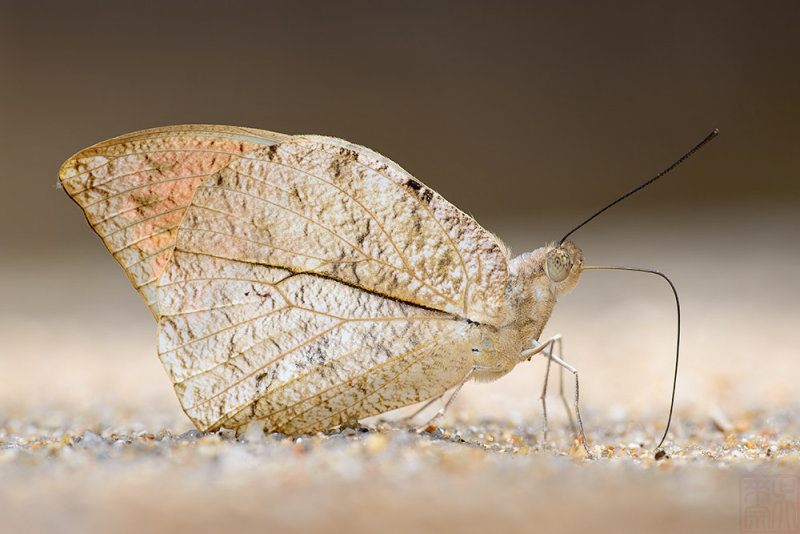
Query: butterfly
pixel 305 281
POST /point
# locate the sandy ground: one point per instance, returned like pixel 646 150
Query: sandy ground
pixel 91 436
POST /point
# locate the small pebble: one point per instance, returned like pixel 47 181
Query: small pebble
pixel 90 440
pixel 189 435
pixel 376 443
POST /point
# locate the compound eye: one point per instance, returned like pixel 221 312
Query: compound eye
pixel 559 265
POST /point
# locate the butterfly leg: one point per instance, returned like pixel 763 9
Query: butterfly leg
pixel 547 349
pixel 422 409
pixel 444 408
pixel 561 390
pixel 551 344
pixel 568 367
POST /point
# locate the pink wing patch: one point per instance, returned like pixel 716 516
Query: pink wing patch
pixel 134 191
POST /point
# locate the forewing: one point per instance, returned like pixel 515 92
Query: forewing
pixel 314 281
pixel 134 189
pixel 302 352
pixel 325 206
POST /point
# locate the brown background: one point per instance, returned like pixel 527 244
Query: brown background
pixel 527 115
pixel 525 108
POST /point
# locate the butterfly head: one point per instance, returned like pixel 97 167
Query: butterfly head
pixel 563 266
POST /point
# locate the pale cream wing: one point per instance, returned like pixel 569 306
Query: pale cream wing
pixel 135 188
pixel 314 281
pixel 322 205
pixel 302 352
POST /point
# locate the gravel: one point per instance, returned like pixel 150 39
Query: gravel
pixel 469 475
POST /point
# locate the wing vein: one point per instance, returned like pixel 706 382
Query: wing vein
pixel 134 223
pixel 438 223
pixel 146 184
pixel 128 154
pixel 286 208
pixel 385 384
pixel 214 333
pixel 324 260
pixel 146 257
pixel 129 244
pixel 340 384
pixel 400 255
pixel 351 197
pixel 248 375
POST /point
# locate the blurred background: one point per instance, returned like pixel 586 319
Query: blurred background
pixel 527 115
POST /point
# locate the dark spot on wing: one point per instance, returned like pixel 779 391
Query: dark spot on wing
pixel 418 190
pixel 413 185
pixel 336 168
pixel 264 381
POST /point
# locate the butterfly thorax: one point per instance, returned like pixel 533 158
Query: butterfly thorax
pixel 532 293
pixel 530 296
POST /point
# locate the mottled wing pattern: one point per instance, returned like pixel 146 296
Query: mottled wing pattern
pixel 135 189
pixel 322 205
pixel 314 281
pixel 300 351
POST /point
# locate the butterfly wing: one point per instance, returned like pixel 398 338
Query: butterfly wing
pixel 314 281
pixel 134 189
pixel 302 352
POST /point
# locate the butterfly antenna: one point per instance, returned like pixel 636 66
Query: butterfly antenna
pixel 680 160
pixel 677 345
